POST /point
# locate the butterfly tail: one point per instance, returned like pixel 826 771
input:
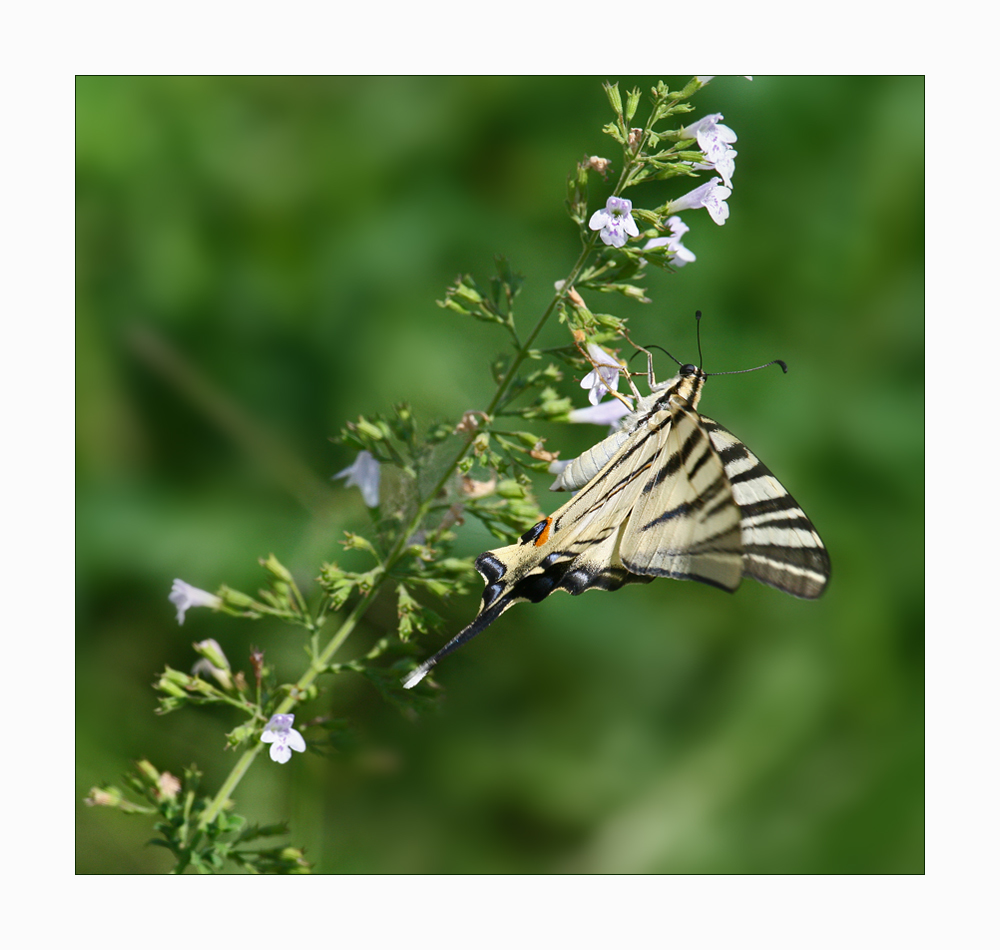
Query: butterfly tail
pixel 482 621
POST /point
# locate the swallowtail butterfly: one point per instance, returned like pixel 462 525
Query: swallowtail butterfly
pixel 671 493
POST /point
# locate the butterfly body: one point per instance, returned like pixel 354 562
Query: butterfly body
pixel 671 493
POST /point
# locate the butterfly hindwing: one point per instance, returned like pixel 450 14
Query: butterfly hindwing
pixel 780 545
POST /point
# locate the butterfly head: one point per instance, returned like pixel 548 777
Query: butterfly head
pixel 690 371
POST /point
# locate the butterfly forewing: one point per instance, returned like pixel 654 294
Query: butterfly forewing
pixel 685 523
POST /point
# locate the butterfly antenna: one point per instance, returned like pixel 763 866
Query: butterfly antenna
pixel 731 372
pixel 655 346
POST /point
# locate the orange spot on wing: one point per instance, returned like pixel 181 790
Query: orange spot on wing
pixel 544 536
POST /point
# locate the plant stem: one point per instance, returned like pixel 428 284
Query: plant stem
pixel 320 663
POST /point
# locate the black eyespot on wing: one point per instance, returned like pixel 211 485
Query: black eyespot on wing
pixel 535 587
pixel 533 532
pixel 492 593
pixel 492 568
pixel 551 559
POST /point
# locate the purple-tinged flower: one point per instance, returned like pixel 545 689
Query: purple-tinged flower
pixel 614 221
pixel 365 473
pixel 283 737
pixel 672 243
pixel 713 137
pixel 607 413
pixel 603 377
pixel 183 596
pixel 711 196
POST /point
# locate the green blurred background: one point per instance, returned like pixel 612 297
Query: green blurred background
pixel 258 260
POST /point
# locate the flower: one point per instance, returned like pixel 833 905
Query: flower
pixel 365 473
pixel 183 595
pixel 713 137
pixel 604 375
pixel 715 140
pixel 711 196
pixel 614 221
pixel 283 737
pixel 673 244
pixel 606 414
pixel 726 166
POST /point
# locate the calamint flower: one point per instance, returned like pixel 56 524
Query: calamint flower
pixel 614 221
pixel 672 243
pixel 715 140
pixel 183 596
pixel 713 137
pixel 604 375
pixel 606 414
pixel 283 737
pixel 365 473
pixel 711 196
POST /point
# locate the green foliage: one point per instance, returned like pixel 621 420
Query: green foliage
pixel 584 734
pixel 204 848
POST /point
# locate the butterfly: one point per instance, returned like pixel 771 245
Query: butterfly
pixel 671 493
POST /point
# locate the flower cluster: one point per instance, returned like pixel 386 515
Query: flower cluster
pixel 715 141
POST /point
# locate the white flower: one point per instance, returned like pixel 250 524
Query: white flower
pixel 603 376
pixel 673 244
pixel 711 196
pixel 726 166
pixel 283 737
pixel 365 473
pixel 606 414
pixel 183 595
pixel 713 137
pixel 614 221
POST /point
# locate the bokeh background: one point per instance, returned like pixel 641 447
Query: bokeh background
pixel 258 260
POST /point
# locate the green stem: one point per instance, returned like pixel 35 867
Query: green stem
pixel 321 662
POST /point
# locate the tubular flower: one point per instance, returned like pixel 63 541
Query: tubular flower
pixel 711 196
pixel 365 473
pixel 283 737
pixel 614 221
pixel 603 377
pixel 183 595
pixel 672 243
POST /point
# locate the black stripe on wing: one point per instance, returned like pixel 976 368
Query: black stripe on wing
pixel 781 547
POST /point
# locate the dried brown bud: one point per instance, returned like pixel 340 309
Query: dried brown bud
pixel 541 454
pixel 599 165
pixel 473 489
pixel 469 422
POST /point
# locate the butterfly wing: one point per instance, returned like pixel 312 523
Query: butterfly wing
pixel 685 522
pixel 780 546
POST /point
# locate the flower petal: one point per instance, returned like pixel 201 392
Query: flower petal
pixel 605 414
pixel 280 753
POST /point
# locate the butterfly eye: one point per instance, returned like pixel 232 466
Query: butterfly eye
pixel 688 370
